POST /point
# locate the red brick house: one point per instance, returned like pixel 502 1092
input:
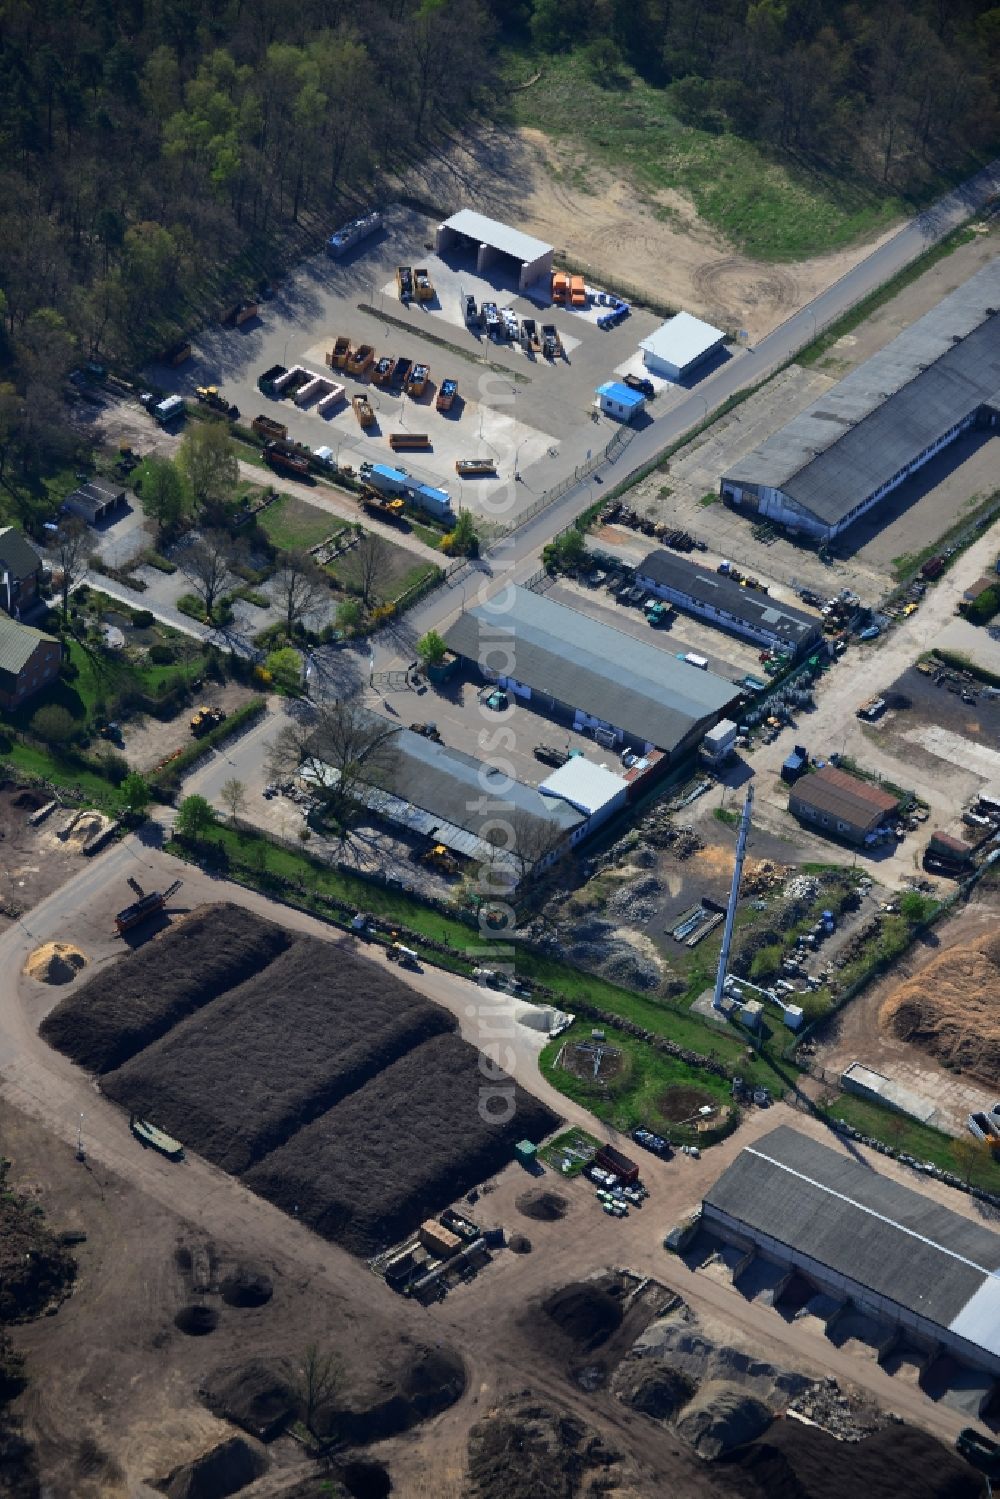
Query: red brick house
pixel 29 661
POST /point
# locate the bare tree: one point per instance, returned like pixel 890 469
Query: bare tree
pixel 234 798
pixel 347 752
pixel 320 1377
pixel 300 589
pixel 208 566
pixel 69 550
pixel 530 843
pixel 371 563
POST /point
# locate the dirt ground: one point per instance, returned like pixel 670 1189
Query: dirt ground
pixel 33 861
pixel 518 174
pixel 115 1400
pixel 148 740
pixel 933 729
pixel 857 1034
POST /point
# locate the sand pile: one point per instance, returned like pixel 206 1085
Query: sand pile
pixel 949 1008
pixel 55 963
pixel 544 1207
pixel 82 827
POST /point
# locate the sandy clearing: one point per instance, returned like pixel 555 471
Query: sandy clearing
pixel 523 176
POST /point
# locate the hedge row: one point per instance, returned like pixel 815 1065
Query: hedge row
pixel 166 779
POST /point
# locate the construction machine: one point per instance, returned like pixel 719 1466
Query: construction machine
pixel 146 904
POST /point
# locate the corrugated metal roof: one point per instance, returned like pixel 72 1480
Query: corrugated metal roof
pixel 860 433
pixel 682 339
pixel 579 661
pixel 17 642
pixel 17 555
pixel 862 1225
pixel 844 796
pixel 793 627
pixel 502 237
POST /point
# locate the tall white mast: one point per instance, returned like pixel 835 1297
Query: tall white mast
pixel 734 893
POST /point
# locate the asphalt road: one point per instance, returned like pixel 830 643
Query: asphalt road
pixel 515 557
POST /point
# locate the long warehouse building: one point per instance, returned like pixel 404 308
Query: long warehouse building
pixel 859 1236
pixel 591 675
pixel 886 419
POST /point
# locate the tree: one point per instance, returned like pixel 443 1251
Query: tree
pixel 285 666
pixel 973 1157
pixel 350 616
pixel 463 539
pixel 208 565
pixel 530 843
pixel 371 562
pixel 53 723
pixel 431 648
pixel 915 907
pixel 566 553
pixel 300 589
pixel 69 553
pixel 163 497
pixel 208 459
pixel 234 798
pixel 345 749
pixel 194 817
pixel 135 792
pixel 320 1376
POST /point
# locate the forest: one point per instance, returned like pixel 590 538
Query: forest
pixel 159 157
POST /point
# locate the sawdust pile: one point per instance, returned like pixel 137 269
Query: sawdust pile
pixel 949 1008
pixel 55 963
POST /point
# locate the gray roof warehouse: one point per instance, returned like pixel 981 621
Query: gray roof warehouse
pixel 859 1235
pixel 883 421
pixel 565 662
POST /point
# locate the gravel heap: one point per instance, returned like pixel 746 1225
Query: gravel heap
pixel 850 1420
pixel 635 902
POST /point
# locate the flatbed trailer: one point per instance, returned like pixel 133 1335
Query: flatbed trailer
pixel 401 441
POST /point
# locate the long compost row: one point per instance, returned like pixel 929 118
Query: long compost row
pixel 329 1085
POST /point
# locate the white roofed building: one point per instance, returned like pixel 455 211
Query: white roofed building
pixel 492 243
pixel 679 345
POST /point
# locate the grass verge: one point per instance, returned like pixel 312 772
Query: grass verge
pixel 919 1140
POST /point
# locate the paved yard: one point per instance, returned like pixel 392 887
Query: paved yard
pixel 533 416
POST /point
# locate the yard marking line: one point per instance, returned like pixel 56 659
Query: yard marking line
pixel 891 1222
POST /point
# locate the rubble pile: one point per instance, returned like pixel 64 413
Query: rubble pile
pixel 635 902
pixel 849 1419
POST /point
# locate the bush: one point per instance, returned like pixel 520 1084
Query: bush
pixel 162 655
pixel 53 724
pixel 765 963
pixel 112 766
pixel 285 668
pixel 142 619
pixel 157 560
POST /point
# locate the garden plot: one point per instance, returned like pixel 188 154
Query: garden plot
pixel 244 1073
pixel 418 1135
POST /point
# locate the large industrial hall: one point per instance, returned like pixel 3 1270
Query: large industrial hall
pixel 859 1236
pixel 867 434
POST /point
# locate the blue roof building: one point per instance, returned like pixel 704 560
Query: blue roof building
pixel 620 400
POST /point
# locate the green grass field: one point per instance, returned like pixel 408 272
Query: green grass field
pixel 919 1140
pixel 634 1096
pixel 293 524
pixel 770 207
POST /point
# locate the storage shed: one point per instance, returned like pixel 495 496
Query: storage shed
pixel 96 501
pixel 620 401
pixel 841 804
pixel 679 345
pixel 592 789
pixel 494 243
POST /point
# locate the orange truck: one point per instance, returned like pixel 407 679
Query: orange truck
pixel 577 291
pixel 560 286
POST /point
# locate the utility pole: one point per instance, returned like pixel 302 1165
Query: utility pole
pixel 734 893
